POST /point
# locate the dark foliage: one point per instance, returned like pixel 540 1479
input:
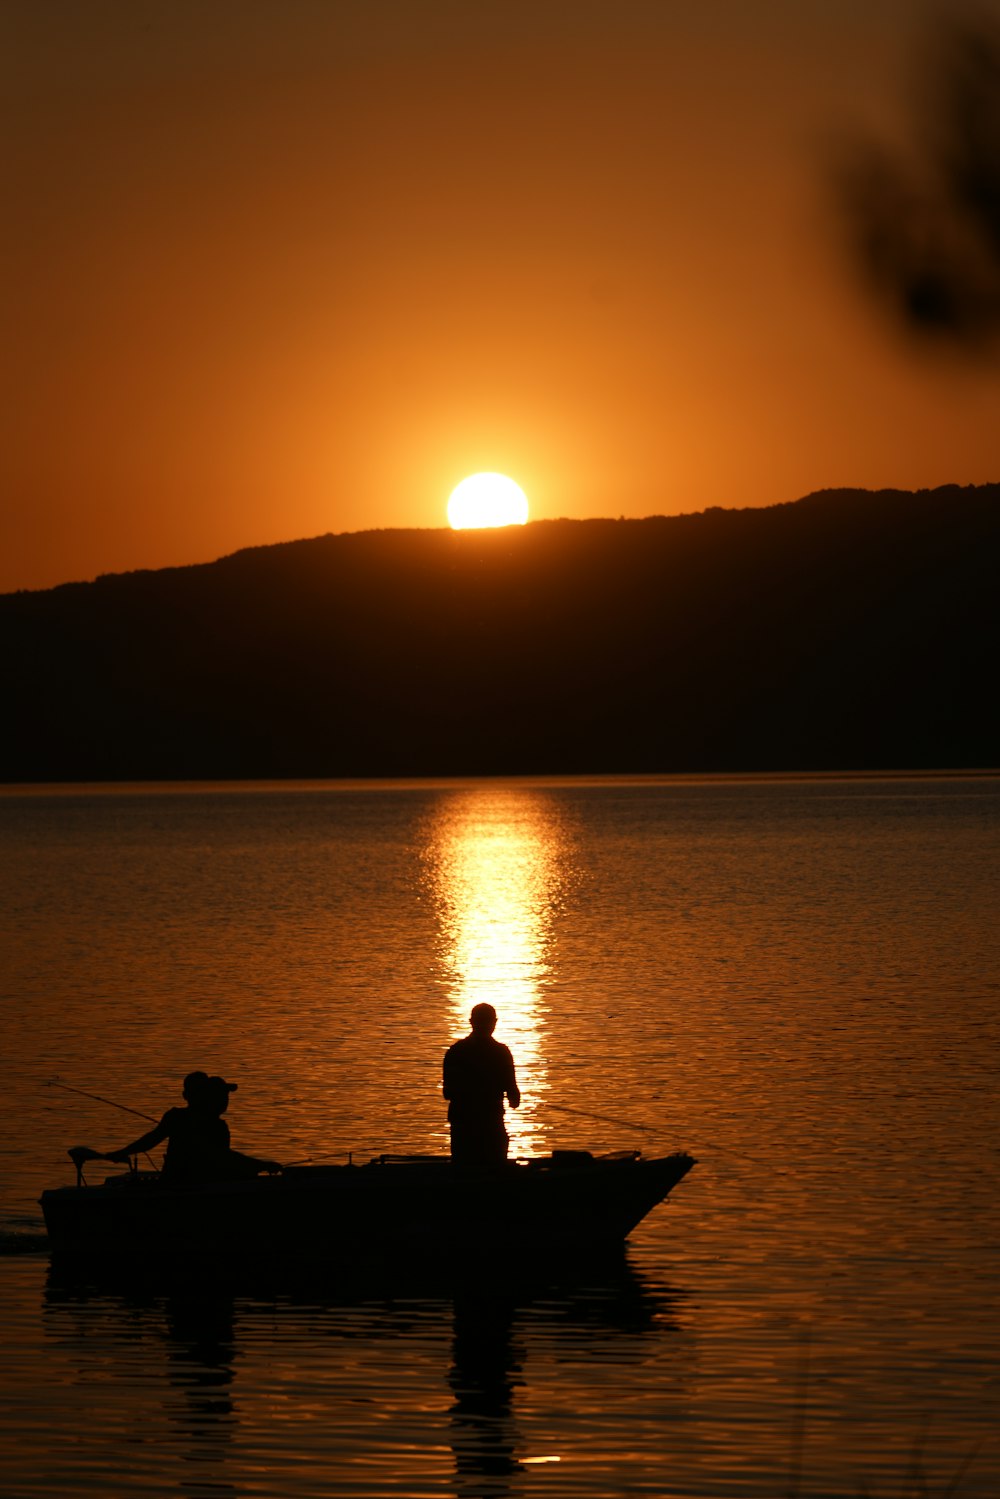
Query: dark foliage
pixel 848 630
pixel 924 228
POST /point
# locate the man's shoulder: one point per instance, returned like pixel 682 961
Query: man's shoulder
pixel 478 1047
pixel 466 1043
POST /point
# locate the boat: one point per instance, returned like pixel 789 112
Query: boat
pixel 403 1208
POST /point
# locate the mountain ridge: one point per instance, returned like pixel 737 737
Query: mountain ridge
pixel 839 631
pixel 817 495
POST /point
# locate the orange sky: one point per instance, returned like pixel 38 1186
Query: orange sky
pixel 276 269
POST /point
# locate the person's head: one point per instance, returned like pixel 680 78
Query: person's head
pixel 194 1085
pixel 483 1020
pixel 208 1094
pixel 217 1092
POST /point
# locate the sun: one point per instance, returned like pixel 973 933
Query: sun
pixel 487 500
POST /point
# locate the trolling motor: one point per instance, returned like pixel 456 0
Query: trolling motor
pixel 81 1154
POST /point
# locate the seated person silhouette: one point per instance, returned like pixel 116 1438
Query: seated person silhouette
pixel 197 1137
pixel 478 1074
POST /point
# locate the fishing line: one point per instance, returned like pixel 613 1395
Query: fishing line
pixel 646 1129
pixel 54 1082
pixel 563 1108
pixel 741 1155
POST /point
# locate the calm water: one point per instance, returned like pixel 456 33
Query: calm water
pixel 797 981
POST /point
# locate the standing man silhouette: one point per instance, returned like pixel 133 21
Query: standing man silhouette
pixel 478 1075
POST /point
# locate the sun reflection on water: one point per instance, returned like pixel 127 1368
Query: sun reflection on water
pixel 498 865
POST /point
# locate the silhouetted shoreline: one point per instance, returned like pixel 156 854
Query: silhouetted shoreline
pixel 842 632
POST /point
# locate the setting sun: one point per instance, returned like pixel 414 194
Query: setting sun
pixel 487 500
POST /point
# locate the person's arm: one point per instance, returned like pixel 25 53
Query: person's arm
pixel 237 1163
pixel 512 1090
pixel 260 1163
pixel 154 1136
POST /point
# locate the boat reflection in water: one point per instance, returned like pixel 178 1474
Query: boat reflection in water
pixel 500 1335
pixel 499 859
pixel 487 1367
pixel 246 1380
pixel 128 1330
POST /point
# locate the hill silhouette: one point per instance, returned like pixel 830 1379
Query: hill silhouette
pixel 847 630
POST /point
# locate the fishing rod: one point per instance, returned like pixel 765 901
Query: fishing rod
pixel 311 1160
pixel 55 1082
pixel 645 1129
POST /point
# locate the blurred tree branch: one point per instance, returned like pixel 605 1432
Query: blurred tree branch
pixel 924 228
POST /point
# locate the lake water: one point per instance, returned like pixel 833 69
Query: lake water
pixel 796 980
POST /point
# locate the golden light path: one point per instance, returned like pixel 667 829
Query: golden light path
pixel 498 860
pixel 487 500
